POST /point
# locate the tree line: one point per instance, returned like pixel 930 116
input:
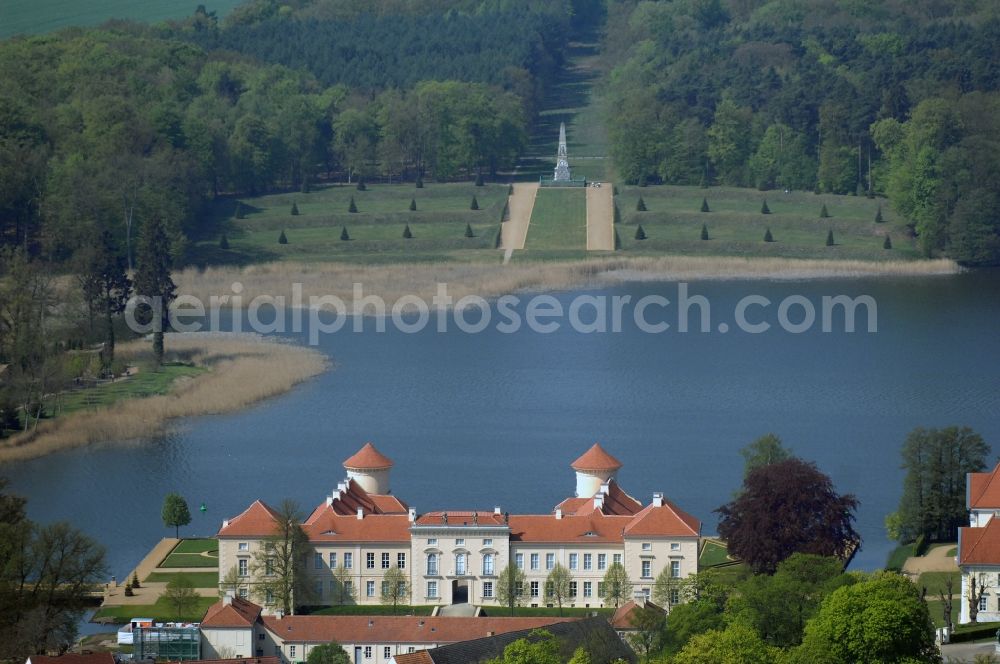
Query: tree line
pixel 881 98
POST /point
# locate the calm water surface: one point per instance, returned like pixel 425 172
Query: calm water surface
pixel 477 420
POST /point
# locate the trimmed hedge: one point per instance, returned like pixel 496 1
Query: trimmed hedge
pixel 975 632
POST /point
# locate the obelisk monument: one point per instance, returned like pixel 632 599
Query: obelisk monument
pixel 562 165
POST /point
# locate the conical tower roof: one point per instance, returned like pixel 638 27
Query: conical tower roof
pixel 368 458
pixel 596 458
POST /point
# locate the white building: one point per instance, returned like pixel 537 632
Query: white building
pixel 979 546
pixel 361 531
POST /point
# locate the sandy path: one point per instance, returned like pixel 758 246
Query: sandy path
pixel 600 218
pixel 148 593
pixel 519 206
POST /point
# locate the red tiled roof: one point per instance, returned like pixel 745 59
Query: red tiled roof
pixel 984 489
pixel 595 528
pixel 347 499
pixel 238 613
pixel 368 458
pixel 596 458
pixel 665 521
pixel 325 525
pixel 258 519
pixel 622 619
pixel 461 518
pixel 980 546
pixel 616 502
pixel 396 629
pixel 419 657
pixel 388 504
pixel 93 658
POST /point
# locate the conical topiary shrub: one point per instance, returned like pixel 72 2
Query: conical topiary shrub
pixel 135 580
pixel 764 209
pixel 704 232
pixel 468 231
pixel 767 236
pixel 474 205
pixel 352 207
pixel 407 234
pixel 878 215
pixel 282 239
pixel 295 209
pixel 640 234
pixel 640 205
pixel 887 244
pixel 413 205
pixel 361 185
pixel 824 213
pixel 240 213
pixel 344 235
pixel 829 238
pixel 420 182
pixel 479 180
pixel 128 590
pixel 223 242
pixel 704 205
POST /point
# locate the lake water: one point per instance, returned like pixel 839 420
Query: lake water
pixel 474 420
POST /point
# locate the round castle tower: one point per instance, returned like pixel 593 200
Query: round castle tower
pixel 594 468
pixel 370 469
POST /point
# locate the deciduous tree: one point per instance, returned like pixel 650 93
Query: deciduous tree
pixel 278 565
pixel 510 587
pixel 557 585
pixel 395 588
pixel 175 512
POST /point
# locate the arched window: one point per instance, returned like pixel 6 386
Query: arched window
pixel 459 564
pixel 487 564
pixel 432 564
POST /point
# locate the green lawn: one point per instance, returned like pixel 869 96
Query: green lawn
pixel 161 611
pixel 143 384
pixel 36 16
pixel 899 555
pixel 673 223
pixel 201 545
pixel 935 581
pixel 936 609
pixel 197 579
pixel 712 554
pixel 558 220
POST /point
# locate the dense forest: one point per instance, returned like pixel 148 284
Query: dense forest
pixel 888 97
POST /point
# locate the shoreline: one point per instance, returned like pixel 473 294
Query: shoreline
pixel 243 369
pixel 492 280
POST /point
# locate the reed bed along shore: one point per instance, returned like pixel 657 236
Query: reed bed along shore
pixel 391 282
pixel 242 369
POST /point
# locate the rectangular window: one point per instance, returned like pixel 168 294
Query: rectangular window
pixel 534 588
pixel 243 593
pixel 385 561
pixel 588 589
pixel 675 546
pixel 432 564
pixel 519 589
pixel 519 560
pixel 318 589
pixel 244 546
pixel 550 589
pixel 269 596
pixel 675 596
pixel 401 560
pixel 588 561
pixel 386 652
pixel 617 559
pixel 370 560
pixel 459 564
pixel 572 588
pixel 647 568
pixel 487 589
pixel 370 588
pixel 348 560
pixel 550 560
pixel 982 603
pixel 269 567
pixel 291 651
pixel 675 568
pixel 573 560
pixel 431 541
pixel 348 589
pixel 368 652
pixel 534 561
pixel 647 546
pixel 243 566
pixel 487 564
pixel 488 541
pixel 432 589
pixel 333 560
pixel 602 561
pixel 318 560
pixel 385 587
pixel 460 541
pixel 600 589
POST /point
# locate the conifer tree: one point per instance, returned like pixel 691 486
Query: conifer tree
pixel 239 210
pixel 406 232
pixel 106 287
pixel 352 207
pixel 640 205
pixel 361 185
pixel 704 205
pixel 282 239
pixel 152 279
pixel 878 215
pixel 413 205
pixel 344 236
pixel 704 232
pixel 474 205
pixel 767 236
pixel 420 182
pixel 640 234
pixel 295 209
pixel 223 242
pixel 479 180
pixel 468 231
pixel 764 209
pixel 829 238
pixel 888 243
pixel 824 213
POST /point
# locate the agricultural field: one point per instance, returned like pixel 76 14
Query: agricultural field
pixel 31 17
pixel 375 233
pixel 736 225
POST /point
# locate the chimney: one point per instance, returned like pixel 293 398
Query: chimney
pixel 599 501
pixel 227 599
pixel 605 489
pixel 412 514
pixel 361 514
pixel 496 510
pixel 225 524
pixel 558 513
pixel 657 499
pixel 279 614
pixel 490 633
pixel 342 486
pixel 329 501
